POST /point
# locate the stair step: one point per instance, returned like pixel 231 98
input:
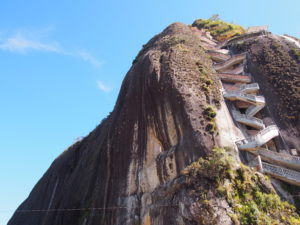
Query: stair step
pixel 252 110
pixel 250 121
pixel 242 105
pixel 235 70
pixel 234 60
pixel 234 78
pixel 258 101
pixel 218 56
pixel 245 88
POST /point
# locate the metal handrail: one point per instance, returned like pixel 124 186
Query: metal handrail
pixel 260 133
pixel 244 86
pixel 222 51
pixel 254 97
pixel 267 129
pixel 247 117
pixel 251 97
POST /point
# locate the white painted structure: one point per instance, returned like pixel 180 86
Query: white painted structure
pixel 250 121
pixel 240 96
pixel 258 102
pixel 234 78
pixel 234 60
pixel 261 138
pixel 254 29
pixel 235 70
pixel 222 51
pixel 218 57
pixel 229 69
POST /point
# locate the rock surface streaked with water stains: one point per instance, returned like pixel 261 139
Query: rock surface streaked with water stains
pixel 130 165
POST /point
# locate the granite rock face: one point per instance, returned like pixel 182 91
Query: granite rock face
pixel 156 129
pixel 124 171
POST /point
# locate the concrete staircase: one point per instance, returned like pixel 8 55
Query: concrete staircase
pixel 237 69
pixel 246 120
pixel 230 69
pixel 219 56
pixel 261 138
pixel 240 96
pixel 249 88
pixel 234 60
pixel 243 88
pixel 234 78
pixel 208 41
pixel 252 110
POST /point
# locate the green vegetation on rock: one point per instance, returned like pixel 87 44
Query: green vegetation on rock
pixel 296 53
pixel 204 78
pixel 210 114
pixel 248 193
pixel 220 30
pixel 208 84
pixel 281 70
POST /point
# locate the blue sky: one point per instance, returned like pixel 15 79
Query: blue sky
pixel 62 64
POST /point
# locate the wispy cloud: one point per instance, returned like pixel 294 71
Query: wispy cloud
pixel 25 41
pixel 21 44
pixel 103 87
pixel 86 56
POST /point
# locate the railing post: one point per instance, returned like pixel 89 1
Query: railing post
pixel 260 166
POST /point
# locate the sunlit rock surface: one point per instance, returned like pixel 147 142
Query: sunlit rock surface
pixel 125 170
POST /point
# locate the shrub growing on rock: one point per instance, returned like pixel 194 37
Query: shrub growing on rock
pixel 220 30
pixel 249 193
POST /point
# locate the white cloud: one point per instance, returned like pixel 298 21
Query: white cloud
pixel 24 41
pixel 21 44
pixel 84 55
pixel 103 87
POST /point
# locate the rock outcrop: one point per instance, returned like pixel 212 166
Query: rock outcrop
pixel 169 113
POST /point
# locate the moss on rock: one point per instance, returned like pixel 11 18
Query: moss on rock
pixel 210 114
pixel 249 194
pixel 220 30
